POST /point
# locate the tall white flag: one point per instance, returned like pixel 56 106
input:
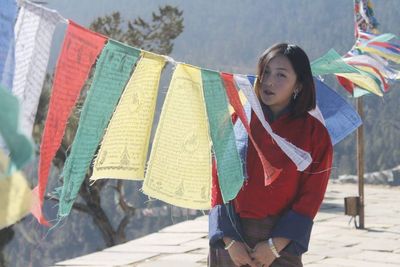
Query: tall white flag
pixel 33 35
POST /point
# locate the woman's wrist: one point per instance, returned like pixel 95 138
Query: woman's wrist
pixel 228 246
pixel 272 247
pixel 226 240
pixel 280 243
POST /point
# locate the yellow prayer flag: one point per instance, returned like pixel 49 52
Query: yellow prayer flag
pixel 125 144
pixel 394 57
pixel 179 170
pixel 15 198
pixel 363 81
pixel 4 163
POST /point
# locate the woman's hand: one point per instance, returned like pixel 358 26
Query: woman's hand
pixel 239 254
pixel 262 254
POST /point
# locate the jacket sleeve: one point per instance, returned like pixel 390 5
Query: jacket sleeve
pixel 222 222
pixel 296 223
pixel 222 219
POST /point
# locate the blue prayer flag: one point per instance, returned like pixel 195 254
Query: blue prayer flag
pixel 8 13
pixel 340 117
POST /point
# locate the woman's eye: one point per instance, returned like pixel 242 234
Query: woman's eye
pixel 281 75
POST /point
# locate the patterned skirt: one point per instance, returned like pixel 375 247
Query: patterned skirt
pixel 254 230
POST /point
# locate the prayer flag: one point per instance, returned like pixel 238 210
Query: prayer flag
pixel 112 72
pixel 331 63
pixel 364 17
pixel 270 172
pixel 378 64
pixel 228 162
pixel 15 194
pixel 79 52
pixel 301 158
pixel 179 169
pixel 340 117
pixel 363 80
pixel 372 78
pixel 34 31
pixel 19 146
pixel 8 13
pixel 124 148
pixel 15 198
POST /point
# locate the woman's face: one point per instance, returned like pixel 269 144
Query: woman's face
pixel 278 84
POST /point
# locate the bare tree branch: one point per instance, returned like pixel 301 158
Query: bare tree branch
pixel 76 206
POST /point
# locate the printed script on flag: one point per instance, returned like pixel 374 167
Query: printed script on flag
pixel 124 148
pixel 179 170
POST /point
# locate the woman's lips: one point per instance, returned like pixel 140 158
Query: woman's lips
pixel 268 93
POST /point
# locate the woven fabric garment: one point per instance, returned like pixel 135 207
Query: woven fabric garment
pixel 301 158
pixel 255 230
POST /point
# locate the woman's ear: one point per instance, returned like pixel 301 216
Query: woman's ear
pixel 299 86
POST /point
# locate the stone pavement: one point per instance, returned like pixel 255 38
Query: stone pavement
pixel 334 242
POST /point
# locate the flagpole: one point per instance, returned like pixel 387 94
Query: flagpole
pixel 360 162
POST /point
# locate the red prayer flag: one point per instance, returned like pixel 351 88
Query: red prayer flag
pixel 79 52
pixel 270 172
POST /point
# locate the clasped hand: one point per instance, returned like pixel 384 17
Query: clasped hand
pixel 261 255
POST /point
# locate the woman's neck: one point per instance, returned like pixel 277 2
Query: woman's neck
pixel 274 115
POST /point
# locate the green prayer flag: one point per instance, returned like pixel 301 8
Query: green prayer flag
pixel 331 63
pixel 230 172
pixel 113 69
pixel 19 146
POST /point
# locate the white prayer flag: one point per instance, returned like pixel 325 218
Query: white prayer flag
pixel 299 157
pixel 33 35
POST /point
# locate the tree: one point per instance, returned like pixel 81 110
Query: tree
pixel 156 36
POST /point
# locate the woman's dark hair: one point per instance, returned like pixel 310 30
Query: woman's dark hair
pixel 306 98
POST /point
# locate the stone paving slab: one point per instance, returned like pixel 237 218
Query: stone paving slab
pixel 102 258
pixel 195 226
pixel 334 242
pixel 151 248
pixel 160 238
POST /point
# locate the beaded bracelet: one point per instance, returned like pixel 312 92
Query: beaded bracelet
pixel 229 245
pixel 273 248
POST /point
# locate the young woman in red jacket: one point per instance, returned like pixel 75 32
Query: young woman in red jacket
pixel 271 225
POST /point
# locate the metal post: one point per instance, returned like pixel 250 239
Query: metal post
pixel 360 161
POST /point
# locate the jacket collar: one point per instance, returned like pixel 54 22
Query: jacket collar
pixel 269 115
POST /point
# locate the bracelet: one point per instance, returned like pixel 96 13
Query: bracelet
pixel 229 245
pixel 273 248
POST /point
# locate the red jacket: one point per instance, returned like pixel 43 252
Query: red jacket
pixel 301 192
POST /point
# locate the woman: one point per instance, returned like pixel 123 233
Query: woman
pixel 271 225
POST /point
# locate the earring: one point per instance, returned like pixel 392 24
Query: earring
pixel 295 93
